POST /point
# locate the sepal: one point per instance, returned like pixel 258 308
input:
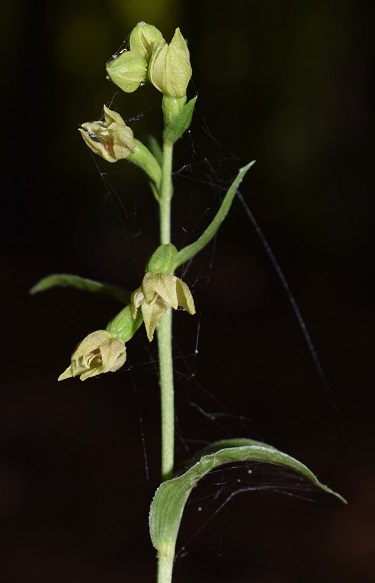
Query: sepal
pixel 144 39
pixel 128 71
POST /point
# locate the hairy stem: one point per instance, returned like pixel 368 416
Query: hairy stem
pixel 165 567
pixel 164 336
pixel 166 194
pixel 164 330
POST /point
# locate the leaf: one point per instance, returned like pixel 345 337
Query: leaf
pixel 178 126
pixel 188 252
pixel 170 498
pixel 155 149
pixel 65 280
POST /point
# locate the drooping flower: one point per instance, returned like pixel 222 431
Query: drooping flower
pixel 157 292
pixel 98 353
pixel 111 139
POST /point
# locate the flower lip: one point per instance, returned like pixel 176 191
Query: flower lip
pixel 91 135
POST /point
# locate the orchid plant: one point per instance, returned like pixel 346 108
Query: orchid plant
pixel 167 67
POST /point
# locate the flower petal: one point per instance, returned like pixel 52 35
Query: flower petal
pixel 185 299
pixel 152 313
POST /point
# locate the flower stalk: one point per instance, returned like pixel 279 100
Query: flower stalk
pixel 164 338
pixel 164 330
pixel 166 194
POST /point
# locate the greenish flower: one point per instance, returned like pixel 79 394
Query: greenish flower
pixel 156 293
pixel 111 139
pixel 98 353
pixel 169 68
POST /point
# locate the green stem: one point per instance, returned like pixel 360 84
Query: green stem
pixel 164 330
pixel 166 194
pixel 165 567
pixel 164 335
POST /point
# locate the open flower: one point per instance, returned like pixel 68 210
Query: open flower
pixel 98 353
pixel 157 292
pixel 112 139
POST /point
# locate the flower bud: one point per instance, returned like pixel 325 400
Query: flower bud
pixel 128 70
pixel 98 353
pixel 169 68
pixel 111 139
pixel 162 260
pixel 144 39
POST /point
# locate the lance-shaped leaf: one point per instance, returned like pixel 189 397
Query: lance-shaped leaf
pixel 188 252
pixel 170 498
pixel 180 123
pixel 83 283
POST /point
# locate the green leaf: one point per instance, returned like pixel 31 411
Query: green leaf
pixel 65 279
pixel 170 498
pixel 188 252
pixel 180 123
pixel 155 149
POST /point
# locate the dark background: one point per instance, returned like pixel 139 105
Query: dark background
pixel 288 83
